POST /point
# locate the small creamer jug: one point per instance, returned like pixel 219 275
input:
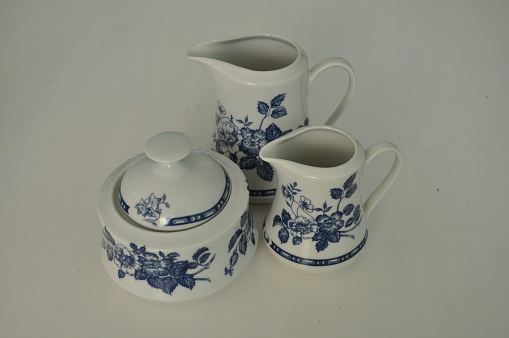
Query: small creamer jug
pixel 262 82
pixel 317 222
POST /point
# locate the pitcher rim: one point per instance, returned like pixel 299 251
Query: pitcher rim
pixel 298 50
pixel 329 171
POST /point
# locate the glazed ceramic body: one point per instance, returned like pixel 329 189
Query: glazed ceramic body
pixel 262 83
pixel 177 265
pixel 318 222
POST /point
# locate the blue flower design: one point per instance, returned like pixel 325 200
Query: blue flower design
pixel 150 208
pixel 161 271
pixel 305 204
pixel 125 261
pixel 321 225
pixel 227 137
pixel 252 141
pixel 241 142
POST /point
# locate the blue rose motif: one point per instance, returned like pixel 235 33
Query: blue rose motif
pixel 330 223
pixel 302 225
pixel 252 141
pixel 161 271
pixel 151 266
pixel 241 142
pixel 227 137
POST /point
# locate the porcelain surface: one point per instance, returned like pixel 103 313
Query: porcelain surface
pixel 318 223
pixel 178 265
pixel 262 82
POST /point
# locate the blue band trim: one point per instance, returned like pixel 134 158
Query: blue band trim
pixel 318 262
pixel 262 193
pixel 199 217
pixel 123 203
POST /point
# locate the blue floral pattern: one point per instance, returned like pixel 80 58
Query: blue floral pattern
pixel 241 142
pixel 239 240
pixel 150 208
pixel 161 271
pixel 323 224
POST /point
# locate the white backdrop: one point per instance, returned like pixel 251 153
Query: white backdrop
pixel 84 84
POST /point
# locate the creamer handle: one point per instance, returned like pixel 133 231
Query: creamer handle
pixel 382 188
pixel 335 62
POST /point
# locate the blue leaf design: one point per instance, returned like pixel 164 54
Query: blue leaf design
pixel 347 210
pixel 265 171
pixel 187 281
pixel 336 193
pixel 272 132
pixel 121 274
pixel 110 253
pixel 351 190
pixel 234 239
pixel 243 244
pixel 283 235
pixel 140 275
pixel 248 162
pixel 276 101
pixel 263 108
pixel 296 240
pixel 179 268
pixel 108 236
pixel 334 237
pixel 349 181
pixel 155 282
pixel 169 285
pixel 322 245
pixel 233 259
pixel 278 112
pixel 233 157
pixel 285 216
pixel 277 221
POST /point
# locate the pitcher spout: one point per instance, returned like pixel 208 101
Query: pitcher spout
pixel 242 57
pixel 317 151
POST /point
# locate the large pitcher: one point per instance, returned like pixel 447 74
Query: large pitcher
pixel 317 222
pixel 262 83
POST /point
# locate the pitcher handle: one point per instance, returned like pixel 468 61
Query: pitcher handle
pixel 335 62
pixel 382 188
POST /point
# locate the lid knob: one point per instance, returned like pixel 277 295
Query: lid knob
pixel 168 147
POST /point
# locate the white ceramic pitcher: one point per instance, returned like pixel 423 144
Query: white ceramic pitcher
pixel 317 222
pixel 262 82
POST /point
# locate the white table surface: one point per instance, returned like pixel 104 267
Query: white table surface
pixel 84 84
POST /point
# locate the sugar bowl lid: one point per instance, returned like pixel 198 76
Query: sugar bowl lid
pixel 175 187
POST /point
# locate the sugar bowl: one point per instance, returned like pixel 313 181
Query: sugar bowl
pixel 175 221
